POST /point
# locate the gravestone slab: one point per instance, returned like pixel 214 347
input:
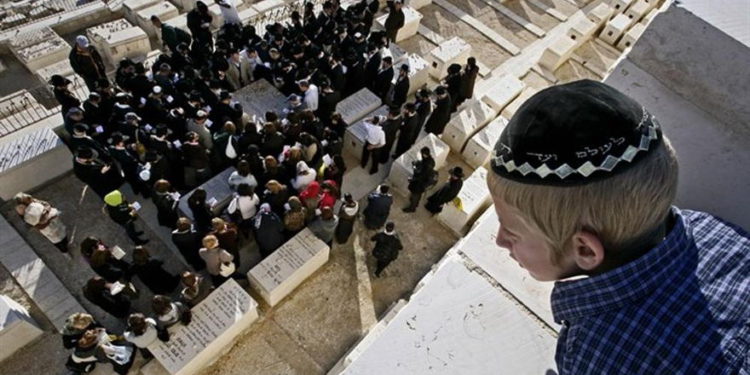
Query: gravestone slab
pixel 217 188
pixel 17 327
pixel 411 23
pixel 164 10
pixel 463 124
pixel 31 160
pixel 287 267
pixel 119 39
pixel 62 68
pixel 356 106
pixel 36 53
pixel 631 36
pixel 419 75
pixel 474 198
pixel 621 5
pixel 32 37
pixel 354 138
pixel 636 11
pixel 601 14
pixel 402 170
pixel 131 8
pixel 479 148
pixel 259 97
pixel 453 50
pixel 614 29
pixel 217 320
pixel 582 29
pixel 502 91
pixel 557 53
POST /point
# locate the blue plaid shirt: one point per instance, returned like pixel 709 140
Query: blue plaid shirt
pixel 681 308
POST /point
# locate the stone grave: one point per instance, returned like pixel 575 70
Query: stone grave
pixel 17 327
pixel 164 10
pixel 453 50
pixel 32 160
pixel 32 37
pixel 614 29
pixel 474 198
pixel 600 14
pixel 649 16
pixel 640 9
pixel 131 8
pixel 287 267
pixel 558 53
pixel 402 170
pixel 259 97
pixel 502 91
pixel 217 321
pixel 418 71
pixel 61 67
pixel 119 39
pixel 631 36
pixel 216 188
pixel 40 49
pixel 582 29
pixel 467 121
pixel 411 23
pixel 479 148
pixel 356 106
pixel 354 138
pixel 621 5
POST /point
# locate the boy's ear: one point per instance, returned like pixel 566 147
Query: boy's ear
pixel 588 251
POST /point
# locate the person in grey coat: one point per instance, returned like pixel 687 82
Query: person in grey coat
pixel 324 226
pixel 378 207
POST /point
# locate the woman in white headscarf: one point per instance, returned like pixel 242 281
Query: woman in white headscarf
pixel 45 218
pixel 305 175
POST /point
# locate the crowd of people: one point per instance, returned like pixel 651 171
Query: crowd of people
pixel 167 129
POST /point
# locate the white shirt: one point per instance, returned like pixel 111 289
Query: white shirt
pixel 311 97
pixel 248 206
pixel 147 338
pixel 229 14
pixel 235 179
pixel 375 134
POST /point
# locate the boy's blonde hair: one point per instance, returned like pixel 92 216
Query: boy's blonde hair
pixel 624 211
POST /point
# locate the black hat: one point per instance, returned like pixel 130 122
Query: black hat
pixel 58 80
pixel 118 137
pixel 458 172
pixel 574 134
pixel 440 90
pixel 405 67
pixel 224 95
pixel 85 153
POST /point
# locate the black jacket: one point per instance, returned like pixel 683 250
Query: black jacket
pixel 400 91
pixel 424 171
pixel 445 194
pixel 440 116
pixel 387 246
pixel 377 210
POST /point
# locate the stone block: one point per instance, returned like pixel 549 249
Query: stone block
pixel 216 188
pixel 411 23
pixel 259 97
pixel 119 39
pixel 631 36
pixel 557 53
pixel 164 10
pixel 614 29
pixel 418 71
pixel 217 321
pixel 649 16
pixel 478 150
pixel 582 30
pixel 31 161
pixel 286 268
pixel 354 138
pixel 511 108
pixel 62 68
pixel 502 91
pixel 472 200
pixel 620 6
pixel 640 9
pixel 601 14
pixel 402 170
pixel 17 328
pixel 416 4
pixel 466 122
pixel 454 50
pixel 356 106
pixel 40 49
pixel 131 8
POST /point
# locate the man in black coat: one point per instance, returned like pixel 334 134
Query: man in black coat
pixel 447 193
pixel 401 88
pixel 87 62
pixel 387 246
pixel 199 23
pixel 372 65
pixel 188 242
pixel 442 113
pixel 409 130
pixel 98 175
pixel 395 20
pixel 129 163
pixel 391 127
pixel 327 102
pixel 453 85
pixel 336 73
pixel 383 79
pixel 468 79
pixel 378 207
pixel 423 105
pixel 422 178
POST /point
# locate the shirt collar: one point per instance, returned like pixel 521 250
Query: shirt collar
pixel 623 286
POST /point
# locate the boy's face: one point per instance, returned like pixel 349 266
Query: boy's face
pixel 527 245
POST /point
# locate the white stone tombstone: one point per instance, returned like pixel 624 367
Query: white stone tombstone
pixel 354 138
pixel 164 10
pixel 402 169
pixel 640 9
pixel 411 23
pixel 286 268
pixel 32 37
pixel 41 49
pixel 614 29
pixel 601 14
pixel 479 148
pixel 119 39
pixel 17 327
pixel 474 198
pixel 418 71
pixel 356 106
pixel 416 4
pixel 621 5
pixel 557 53
pixel 217 320
pixel 62 68
pixel 631 36
pixel 453 50
pixel 259 97
pixel 131 8
pixel 582 29
pixel 502 91
pixel 466 122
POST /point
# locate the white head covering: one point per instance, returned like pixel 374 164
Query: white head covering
pixel 33 213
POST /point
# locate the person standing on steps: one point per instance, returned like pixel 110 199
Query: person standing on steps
pixel 387 247
pixel 422 178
